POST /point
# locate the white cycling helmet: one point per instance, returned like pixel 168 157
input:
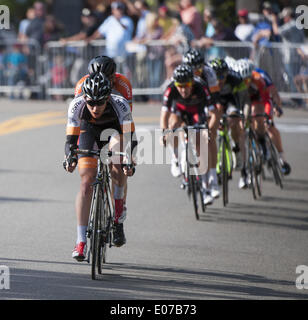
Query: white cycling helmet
pixel 244 68
pixel 231 62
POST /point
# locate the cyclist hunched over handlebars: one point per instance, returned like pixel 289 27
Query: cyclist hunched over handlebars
pixel 96 118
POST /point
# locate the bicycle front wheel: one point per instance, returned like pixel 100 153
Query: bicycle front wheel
pixel 96 230
pixel 225 174
pixel 194 191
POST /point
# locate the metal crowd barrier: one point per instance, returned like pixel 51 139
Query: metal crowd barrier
pixel 19 68
pixel 286 64
pixel 56 72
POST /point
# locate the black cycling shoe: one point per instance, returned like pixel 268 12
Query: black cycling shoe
pixel 286 168
pixel 118 235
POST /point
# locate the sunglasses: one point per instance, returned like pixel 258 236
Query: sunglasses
pixel 183 85
pixel 98 103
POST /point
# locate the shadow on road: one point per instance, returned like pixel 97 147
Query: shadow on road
pixel 142 282
pixel 13 199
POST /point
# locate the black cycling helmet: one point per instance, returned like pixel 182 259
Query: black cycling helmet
pixel 194 58
pixel 220 66
pixel 97 87
pixel 183 73
pixel 103 64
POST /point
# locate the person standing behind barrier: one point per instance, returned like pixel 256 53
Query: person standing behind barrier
pixel 289 33
pixel 244 29
pixel 191 17
pixel 23 25
pixel 52 29
pixel 35 30
pixel 117 29
pixel 180 36
pixel 89 26
pixel 155 53
pixel 16 67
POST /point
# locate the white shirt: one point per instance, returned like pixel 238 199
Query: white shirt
pixel 243 31
pixel 116 35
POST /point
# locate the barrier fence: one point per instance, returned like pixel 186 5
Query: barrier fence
pixel 24 70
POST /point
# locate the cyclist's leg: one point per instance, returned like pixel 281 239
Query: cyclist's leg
pixel 258 125
pixel 119 180
pixel 275 136
pixel 238 136
pixel 213 123
pixel 87 167
pixel 174 141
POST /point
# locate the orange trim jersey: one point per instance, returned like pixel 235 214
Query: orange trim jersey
pixel 258 90
pixel 121 86
pixel 117 115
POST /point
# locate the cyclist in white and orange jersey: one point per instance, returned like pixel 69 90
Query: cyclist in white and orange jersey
pixel 94 112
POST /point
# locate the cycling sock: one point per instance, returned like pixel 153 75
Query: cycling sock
pixel 81 234
pixel 281 156
pixel 118 203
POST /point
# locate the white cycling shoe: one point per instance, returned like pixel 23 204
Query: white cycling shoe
pixel 175 168
pixel 215 192
pixel 207 197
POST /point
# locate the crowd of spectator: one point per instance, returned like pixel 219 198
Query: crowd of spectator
pixel 129 26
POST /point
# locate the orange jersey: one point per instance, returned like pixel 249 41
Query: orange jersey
pixel 258 89
pixel 121 85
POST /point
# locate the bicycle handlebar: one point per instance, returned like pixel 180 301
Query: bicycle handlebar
pixel 109 154
pixel 186 128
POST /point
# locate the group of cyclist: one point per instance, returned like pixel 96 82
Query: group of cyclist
pixel 198 93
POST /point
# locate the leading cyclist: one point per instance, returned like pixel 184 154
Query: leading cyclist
pixel 89 115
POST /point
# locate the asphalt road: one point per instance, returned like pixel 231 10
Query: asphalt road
pixel 249 250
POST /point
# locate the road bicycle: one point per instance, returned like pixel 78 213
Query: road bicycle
pixel 192 180
pixel 101 219
pixel 254 158
pixel 226 160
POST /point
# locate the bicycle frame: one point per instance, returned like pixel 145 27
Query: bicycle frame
pixel 224 137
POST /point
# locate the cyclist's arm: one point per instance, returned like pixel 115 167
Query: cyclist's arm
pixel 73 125
pixel 275 96
pixel 164 117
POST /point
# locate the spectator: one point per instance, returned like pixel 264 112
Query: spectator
pixel 180 36
pixel 30 15
pixel 191 17
pixel 289 33
pixel 263 32
pixel 209 29
pixel 117 29
pixel 58 74
pixel 138 12
pixel 143 11
pixel 35 30
pixel 2 67
pixel 89 26
pixel 52 29
pixel 164 19
pixel 244 29
pixel 16 67
pixel 301 79
pixel 222 33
